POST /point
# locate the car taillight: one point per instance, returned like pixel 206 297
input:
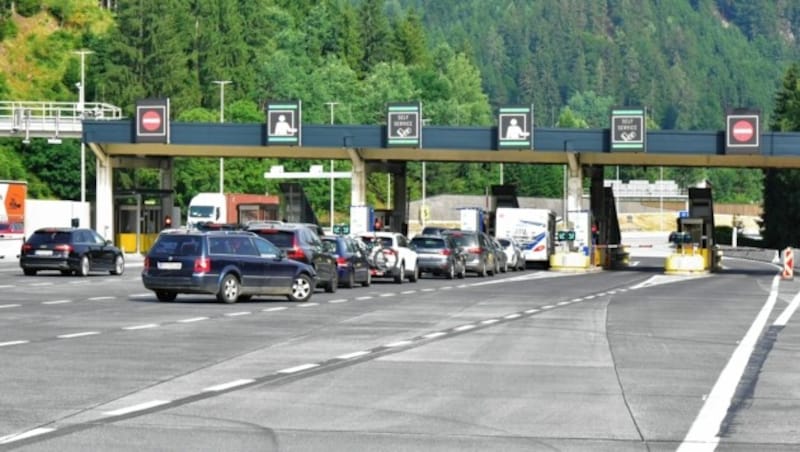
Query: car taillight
pixel 146 263
pixel 475 250
pixel 445 251
pixel 202 265
pixel 26 247
pixel 64 248
pixel 341 261
pixel 296 252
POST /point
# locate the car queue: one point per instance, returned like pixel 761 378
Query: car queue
pixel 236 263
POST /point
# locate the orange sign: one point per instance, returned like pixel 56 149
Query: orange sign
pixel 12 197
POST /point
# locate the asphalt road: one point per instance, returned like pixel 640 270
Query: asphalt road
pixel 624 360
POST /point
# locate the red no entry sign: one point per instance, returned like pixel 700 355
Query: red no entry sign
pixel 743 131
pixel 151 120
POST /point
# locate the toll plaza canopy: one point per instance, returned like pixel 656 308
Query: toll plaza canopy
pixel 443 143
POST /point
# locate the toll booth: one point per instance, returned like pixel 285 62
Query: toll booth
pixel 139 216
pixel 695 250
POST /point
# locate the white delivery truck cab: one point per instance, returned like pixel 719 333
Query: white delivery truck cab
pixel 207 207
pixel 533 229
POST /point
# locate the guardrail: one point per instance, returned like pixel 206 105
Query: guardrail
pixel 51 119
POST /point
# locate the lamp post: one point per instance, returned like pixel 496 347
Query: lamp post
pixel 81 101
pixel 332 105
pixel 222 84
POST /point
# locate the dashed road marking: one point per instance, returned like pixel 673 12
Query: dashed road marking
pixel 353 355
pixel 275 309
pixel 398 344
pixel 408 292
pixel 135 408
pixel 10 343
pixel 464 327
pixel 368 297
pixel 434 335
pixel 57 302
pixel 101 298
pixel 339 300
pixel 141 327
pixel 4 306
pixel 82 334
pixel 512 316
pixel 229 385
pixel 307 305
pixel 29 434
pixel 193 319
pixel 237 314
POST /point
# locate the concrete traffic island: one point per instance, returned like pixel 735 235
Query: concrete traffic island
pixel 685 263
pixel 574 262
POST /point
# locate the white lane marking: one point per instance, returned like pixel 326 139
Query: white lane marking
pixel 368 297
pixel 562 303
pixel 408 292
pixel 787 313
pixel 353 355
pixel 57 302
pixel 489 321
pixel 390 294
pixel 275 309
pixel 78 282
pixel 428 289
pixel 4 306
pixel 141 295
pixel 434 335
pixel 702 436
pixel 463 286
pixel 135 408
pixel 141 327
pixel 307 305
pixel 29 434
pixel 74 335
pixel 339 300
pixel 6 286
pixel 464 327
pixel 237 314
pixel 101 298
pixel 589 297
pixel 445 287
pixel 512 316
pixel 531 311
pixel 398 344
pixel 10 343
pixel 299 368
pixel 575 300
pixel 548 307
pixel 229 385
pixel 193 319
pixel 41 284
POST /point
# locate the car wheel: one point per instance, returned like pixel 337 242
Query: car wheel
pixel 451 273
pixel 29 271
pixel 166 295
pixel 483 271
pixel 333 284
pixel 84 266
pixel 400 273
pixel 301 288
pixel 505 268
pixel 414 277
pixel 463 273
pixel 229 289
pixel 119 266
pixel 368 281
pixel 351 279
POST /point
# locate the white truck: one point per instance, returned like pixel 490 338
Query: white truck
pixel 533 229
pixel 231 208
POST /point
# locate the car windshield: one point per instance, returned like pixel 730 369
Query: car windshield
pixel 201 211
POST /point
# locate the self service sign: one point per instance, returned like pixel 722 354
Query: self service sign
pixel 628 129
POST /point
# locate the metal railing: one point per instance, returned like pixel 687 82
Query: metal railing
pixel 51 119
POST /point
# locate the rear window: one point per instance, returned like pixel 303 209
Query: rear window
pixel 281 239
pixel 504 242
pixel 50 237
pixel 178 245
pixel 420 242
pixel 465 240
pixel 383 241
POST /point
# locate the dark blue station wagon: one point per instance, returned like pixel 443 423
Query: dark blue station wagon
pixel 233 265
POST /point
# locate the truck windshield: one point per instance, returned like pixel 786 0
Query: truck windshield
pixel 201 211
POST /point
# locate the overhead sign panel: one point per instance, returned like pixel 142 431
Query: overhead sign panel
pixel 515 127
pixel 284 123
pixel 152 121
pixel 628 129
pixel 403 121
pixel 743 131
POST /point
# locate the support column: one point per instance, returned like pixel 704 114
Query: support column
pixel 358 192
pixel 400 200
pixel 104 189
pixel 574 188
pixel 167 182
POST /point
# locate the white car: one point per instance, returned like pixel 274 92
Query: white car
pixel 391 247
pixel 513 253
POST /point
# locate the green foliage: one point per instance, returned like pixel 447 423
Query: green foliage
pixel 28 8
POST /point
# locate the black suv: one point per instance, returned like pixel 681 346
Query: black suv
pixel 301 243
pixel 233 265
pixel 70 250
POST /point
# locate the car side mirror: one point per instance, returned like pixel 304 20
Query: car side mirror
pixel 109 242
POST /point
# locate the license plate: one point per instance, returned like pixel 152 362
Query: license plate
pixel 169 265
pixel 44 252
